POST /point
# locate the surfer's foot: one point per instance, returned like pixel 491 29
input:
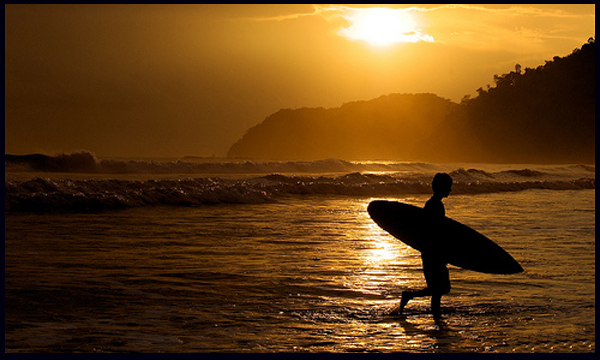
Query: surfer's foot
pixel 406 296
pixel 396 311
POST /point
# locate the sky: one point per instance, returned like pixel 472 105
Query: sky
pixel 188 80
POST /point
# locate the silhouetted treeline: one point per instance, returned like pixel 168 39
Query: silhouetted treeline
pixel 546 115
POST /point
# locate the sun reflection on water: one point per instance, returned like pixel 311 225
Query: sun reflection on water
pixel 382 248
pixel 387 266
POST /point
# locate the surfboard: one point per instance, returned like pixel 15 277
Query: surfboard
pixel 455 243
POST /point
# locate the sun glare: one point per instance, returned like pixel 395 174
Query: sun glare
pixel 382 26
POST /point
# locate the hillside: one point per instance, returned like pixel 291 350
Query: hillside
pixel 543 115
pixel 382 128
pixel 538 115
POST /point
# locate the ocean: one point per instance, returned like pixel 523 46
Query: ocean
pixel 224 255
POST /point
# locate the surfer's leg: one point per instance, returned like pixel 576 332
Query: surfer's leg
pixel 407 296
pixel 436 300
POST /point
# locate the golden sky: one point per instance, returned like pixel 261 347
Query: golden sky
pixel 176 80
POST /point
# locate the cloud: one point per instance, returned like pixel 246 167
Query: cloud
pixel 519 28
pixel 537 10
pixel 318 10
pixel 389 25
pixel 382 26
pixel 486 27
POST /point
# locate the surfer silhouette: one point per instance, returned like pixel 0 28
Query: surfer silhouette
pixel 434 268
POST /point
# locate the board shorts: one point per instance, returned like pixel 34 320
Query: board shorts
pixel 436 274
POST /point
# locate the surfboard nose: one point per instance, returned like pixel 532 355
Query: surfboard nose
pixel 516 268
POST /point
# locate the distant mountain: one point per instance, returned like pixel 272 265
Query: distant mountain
pixel 384 128
pixel 538 115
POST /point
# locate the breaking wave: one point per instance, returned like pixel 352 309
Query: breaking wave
pixel 200 181
pixel 77 162
pixel 84 162
pixel 44 194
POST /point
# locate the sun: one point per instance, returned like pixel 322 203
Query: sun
pixel 382 26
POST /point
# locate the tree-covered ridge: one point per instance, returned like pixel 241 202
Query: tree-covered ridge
pixel 546 114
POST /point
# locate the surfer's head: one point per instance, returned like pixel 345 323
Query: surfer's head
pixel 441 184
